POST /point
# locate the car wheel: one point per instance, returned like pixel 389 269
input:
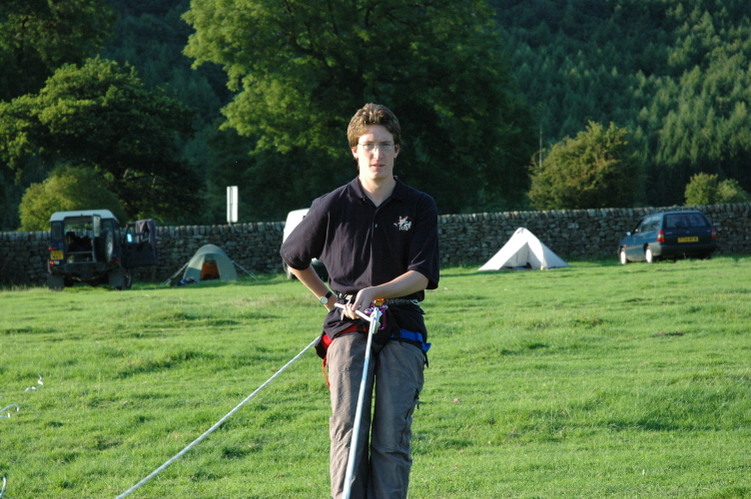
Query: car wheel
pixel 55 282
pixel 648 256
pixel 128 280
pixel 622 256
pixel 120 279
pixel 105 246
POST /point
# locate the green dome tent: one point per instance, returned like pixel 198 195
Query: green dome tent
pixel 210 262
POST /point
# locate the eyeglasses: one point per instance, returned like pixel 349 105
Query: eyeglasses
pixel 383 146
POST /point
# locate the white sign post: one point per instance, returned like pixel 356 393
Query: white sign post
pixel 232 201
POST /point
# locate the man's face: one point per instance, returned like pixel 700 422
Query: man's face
pixel 375 153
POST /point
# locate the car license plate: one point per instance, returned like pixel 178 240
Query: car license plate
pixel 56 255
pixel 692 239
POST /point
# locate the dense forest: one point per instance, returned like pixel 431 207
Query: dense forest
pixel 675 74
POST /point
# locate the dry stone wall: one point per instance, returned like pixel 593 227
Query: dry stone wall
pixel 575 234
pixel 465 240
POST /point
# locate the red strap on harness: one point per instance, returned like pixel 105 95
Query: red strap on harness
pixel 325 342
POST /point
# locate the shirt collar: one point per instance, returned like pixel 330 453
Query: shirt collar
pixel 356 191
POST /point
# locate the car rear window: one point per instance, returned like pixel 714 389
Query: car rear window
pixel 685 220
pixel 56 230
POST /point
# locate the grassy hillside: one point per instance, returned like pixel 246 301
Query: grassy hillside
pixel 592 381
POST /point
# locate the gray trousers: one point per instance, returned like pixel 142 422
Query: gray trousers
pixel 397 373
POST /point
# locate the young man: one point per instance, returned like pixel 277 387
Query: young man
pixel 378 238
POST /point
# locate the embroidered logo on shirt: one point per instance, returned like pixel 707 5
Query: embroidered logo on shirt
pixel 403 223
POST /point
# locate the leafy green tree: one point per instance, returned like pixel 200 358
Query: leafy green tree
pixel 38 36
pixel 702 189
pixel 730 191
pixel 101 114
pixel 301 69
pixel 707 188
pixel 596 169
pixel 67 188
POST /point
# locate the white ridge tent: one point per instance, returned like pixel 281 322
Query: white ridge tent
pixel 524 251
pixel 210 262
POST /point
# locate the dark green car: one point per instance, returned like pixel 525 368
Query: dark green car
pixel 669 235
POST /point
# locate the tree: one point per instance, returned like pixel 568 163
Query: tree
pixel 263 193
pixel 706 188
pixel 38 36
pixel 707 127
pixel 675 73
pixel 730 191
pixel 67 188
pixel 101 114
pixel 596 169
pixel 301 69
pixel 702 189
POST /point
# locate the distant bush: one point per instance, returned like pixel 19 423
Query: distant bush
pixel 706 188
pixel 67 188
pixel 595 169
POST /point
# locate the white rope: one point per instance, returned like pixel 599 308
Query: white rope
pixel 220 422
pixel 18 408
pixel 39 382
pixel 2 491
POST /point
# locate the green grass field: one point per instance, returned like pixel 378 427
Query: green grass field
pixel 593 381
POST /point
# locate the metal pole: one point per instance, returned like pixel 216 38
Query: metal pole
pixel 374 319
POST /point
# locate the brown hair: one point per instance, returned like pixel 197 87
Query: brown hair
pixel 373 114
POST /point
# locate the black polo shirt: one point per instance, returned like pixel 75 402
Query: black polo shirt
pixel 363 245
